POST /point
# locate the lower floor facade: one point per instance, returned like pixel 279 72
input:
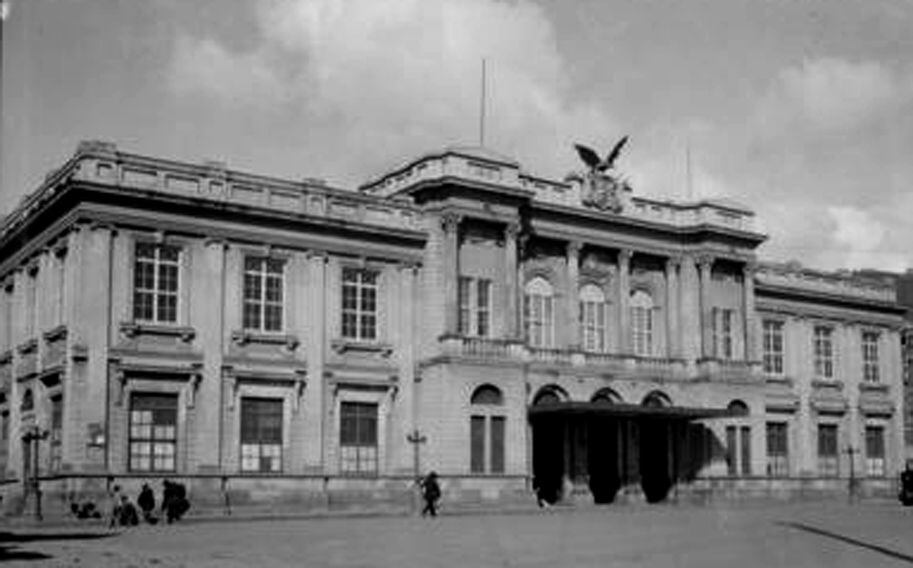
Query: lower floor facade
pixel 248 434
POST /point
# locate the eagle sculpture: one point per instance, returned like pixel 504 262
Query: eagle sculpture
pixel 591 158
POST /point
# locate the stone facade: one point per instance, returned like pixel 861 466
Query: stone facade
pixel 147 304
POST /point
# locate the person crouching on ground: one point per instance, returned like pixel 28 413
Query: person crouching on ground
pixel 431 492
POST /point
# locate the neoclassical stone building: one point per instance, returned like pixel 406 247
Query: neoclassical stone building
pixel 274 339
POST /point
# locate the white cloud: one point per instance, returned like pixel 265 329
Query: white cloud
pixel 829 94
pixel 385 79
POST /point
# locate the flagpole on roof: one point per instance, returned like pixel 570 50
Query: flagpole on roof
pixel 482 108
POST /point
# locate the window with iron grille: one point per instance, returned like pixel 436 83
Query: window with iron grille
pixel 828 456
pixel 153 432
pixel 475 306
pixel 56 433
pixel 874 451
pixel 155 283
pixel 773 347
pixel 870 357
pixel 263 294
pixel 824 351
pixel 359 304
pixel 261 435
pixel 358 438
pixel 777 449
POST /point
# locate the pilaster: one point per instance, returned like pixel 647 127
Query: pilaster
pixel 450 223
pixel 673 338
pixel 705 267
pixel 750 316
pixel 689 310
pixel 572 305
pixel 511 280
pixel 312 405
pixel 624 297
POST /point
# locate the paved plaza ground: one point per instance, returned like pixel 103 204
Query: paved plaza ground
pixel 832 535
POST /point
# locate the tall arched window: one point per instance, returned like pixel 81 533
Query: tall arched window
pixel 593 319
pixel 487 430
pixel 642 323
pixel 738 440
pixel 538 313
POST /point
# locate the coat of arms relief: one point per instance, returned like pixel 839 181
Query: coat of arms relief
pixel 600 188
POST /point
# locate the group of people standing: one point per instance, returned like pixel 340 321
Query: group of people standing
pixel 122 512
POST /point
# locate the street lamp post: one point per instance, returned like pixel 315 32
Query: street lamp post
pixel 416 438
pixel 33 436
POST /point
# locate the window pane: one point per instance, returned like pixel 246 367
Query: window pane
pixel 497 444
pixel 477 444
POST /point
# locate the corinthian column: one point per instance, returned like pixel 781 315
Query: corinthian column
pixel 705 266
pixel 573 284
pixel 673 343
pixel 512 324
pixel 750 317
pixel 624 296
pixel 450 222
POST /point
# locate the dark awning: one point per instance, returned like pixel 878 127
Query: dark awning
pixel 622 410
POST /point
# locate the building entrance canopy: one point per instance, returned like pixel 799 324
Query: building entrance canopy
pixel 621 410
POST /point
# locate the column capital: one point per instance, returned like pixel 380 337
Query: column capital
pixel 317 254
pixel 215 242
pixel 512 230
pixel 573 248
pixel 750 267
pixel 674 261
pixel 704 261
pixel 450 221
pixel 624 255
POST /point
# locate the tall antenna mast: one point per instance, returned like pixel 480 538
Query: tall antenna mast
pixel 482 108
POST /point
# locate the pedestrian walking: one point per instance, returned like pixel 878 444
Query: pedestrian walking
pixel 146 502
pixel 431 493
pixel 112 507
pixel 127 513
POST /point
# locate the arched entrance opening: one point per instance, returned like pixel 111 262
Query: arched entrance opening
pixel 548 447
pixel 603 449
pixel 655 451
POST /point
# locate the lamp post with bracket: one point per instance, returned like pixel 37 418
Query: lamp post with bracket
pixel 416 438
pixel 32 437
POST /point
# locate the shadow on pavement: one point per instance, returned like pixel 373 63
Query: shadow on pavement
pixel 848 540
pixel 9 540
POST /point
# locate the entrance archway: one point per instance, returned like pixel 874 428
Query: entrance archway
pixel 603 449
pixel 548 448
pixel 654 444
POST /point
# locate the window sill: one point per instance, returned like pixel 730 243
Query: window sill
pixel 6 358
pixel 874 387
pixel 832 384
pixel 341 346
pixel 27 347
pixel 245 337
pixel 778 380
pixel 134 329
pixel 55 334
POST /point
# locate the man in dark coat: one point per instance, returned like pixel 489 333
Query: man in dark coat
pixel 431 492
pixel 146 502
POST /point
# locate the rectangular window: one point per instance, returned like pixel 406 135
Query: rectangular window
pixel 263 294
pixel 477 444
pixel 746 449
pixel 732 450
pixel 4 427
pixel 773 347
pixel 359 304
pixel 722 332
pixel 824 351
pixel 261 435
pixel 483 307
pixel 56 433
pixel 358 437
pixel 537 310
pixel 465 323
pixel 497 444
pixel 642 330
pixel 593 322
pixel 874 451
pixel 777 449
pixel 475 306
pixel 155 283
pixel 828 462
pixel 870 357
pixel 153 432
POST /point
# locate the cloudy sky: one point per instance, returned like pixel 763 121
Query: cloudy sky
pixel 800 109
